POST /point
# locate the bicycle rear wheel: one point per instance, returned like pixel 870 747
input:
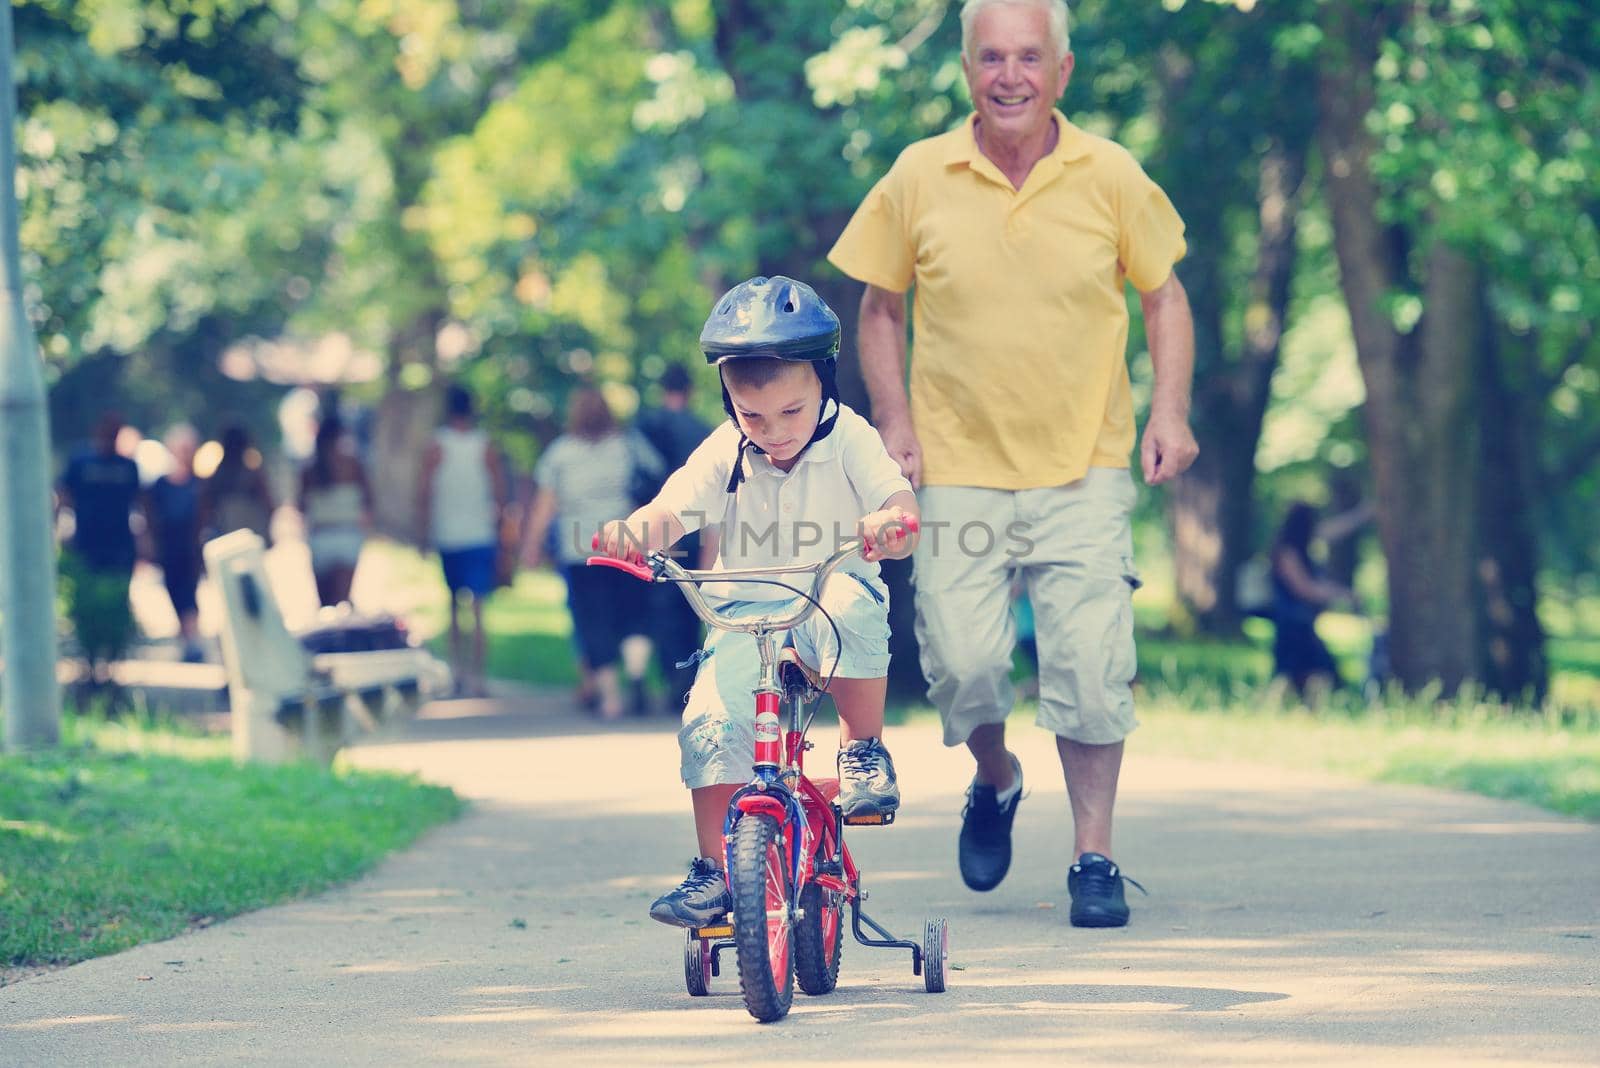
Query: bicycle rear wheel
pixel 817 940
pixel 763 928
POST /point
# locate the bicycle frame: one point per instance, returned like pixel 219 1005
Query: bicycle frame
pixel 779 786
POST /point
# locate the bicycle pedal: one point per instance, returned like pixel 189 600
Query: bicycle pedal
pixel 874 819
pixel 719 930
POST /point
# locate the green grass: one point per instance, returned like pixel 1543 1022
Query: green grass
pixel 130 833
pixel 1551 760
pixel 530 632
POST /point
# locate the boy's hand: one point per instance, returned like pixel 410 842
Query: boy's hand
pixel 616 539
pixel 890 534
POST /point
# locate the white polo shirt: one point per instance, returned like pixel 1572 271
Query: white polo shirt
pixel 783 518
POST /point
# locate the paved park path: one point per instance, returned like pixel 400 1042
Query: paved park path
pixel 1293 919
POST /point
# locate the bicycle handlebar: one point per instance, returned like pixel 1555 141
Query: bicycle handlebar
pixel 665 569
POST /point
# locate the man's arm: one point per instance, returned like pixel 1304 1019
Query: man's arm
pixel 881 340
pixel 430 464
pixel 542 514
pixel 1306 586
pixel 1338 527
pixel 1168 447
pixel 499 478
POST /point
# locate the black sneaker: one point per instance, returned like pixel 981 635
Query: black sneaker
pixel 701 897
pixel 1096 888
pixel 985 846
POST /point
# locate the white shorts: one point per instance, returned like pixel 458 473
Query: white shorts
pixel 1073 547
pixel 717 742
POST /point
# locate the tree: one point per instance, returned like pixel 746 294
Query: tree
pixel 1452 160
pixel 145 129
pixel 1232 155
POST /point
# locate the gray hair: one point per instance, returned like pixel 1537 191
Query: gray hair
pixel 1055 10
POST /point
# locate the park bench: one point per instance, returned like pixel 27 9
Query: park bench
pixel 287 703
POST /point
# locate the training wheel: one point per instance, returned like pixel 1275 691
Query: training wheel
pixel 697 965
pixel 935 955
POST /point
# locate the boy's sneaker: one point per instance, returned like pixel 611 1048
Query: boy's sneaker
pixel 701 897
pixel 867 785
pixel 1096 888
pixel 985 847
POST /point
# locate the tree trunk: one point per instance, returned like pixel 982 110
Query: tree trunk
pixel 1513 654
pixel 1212 507
pixel 1421 388
pixel 404 420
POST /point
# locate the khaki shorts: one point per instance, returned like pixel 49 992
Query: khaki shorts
pixel 1072 546
pixel 717 742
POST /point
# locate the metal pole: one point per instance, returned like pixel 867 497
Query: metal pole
pixel 30 700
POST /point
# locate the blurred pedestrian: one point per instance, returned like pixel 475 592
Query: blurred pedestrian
pixel 674 431
pixel 1300 593
pixel 336 501
pixel 584 480
pixel 100 487
pixel 236 496
pixel 172 510
pixel 462 495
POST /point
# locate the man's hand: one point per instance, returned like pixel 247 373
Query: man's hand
pixel 890 533
pixel 901 440
pixel 1167 449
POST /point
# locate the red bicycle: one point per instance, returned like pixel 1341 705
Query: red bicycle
pixel 789 871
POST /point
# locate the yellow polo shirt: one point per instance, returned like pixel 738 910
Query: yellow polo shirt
pixel 1019 374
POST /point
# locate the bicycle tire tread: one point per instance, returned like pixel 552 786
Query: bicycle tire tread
pixel 763 996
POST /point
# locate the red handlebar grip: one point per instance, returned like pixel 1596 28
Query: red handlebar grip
pixel 638 571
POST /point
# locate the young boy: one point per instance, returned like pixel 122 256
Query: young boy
pixel 792 476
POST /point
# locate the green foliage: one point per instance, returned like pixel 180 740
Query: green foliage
pixel 144 130
pixel 561 187
pixel 97 607
pixel 134 834
pixel 1484 120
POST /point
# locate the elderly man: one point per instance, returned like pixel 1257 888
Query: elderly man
pixel 1018 231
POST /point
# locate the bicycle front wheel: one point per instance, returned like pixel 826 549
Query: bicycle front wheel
pixel 763 928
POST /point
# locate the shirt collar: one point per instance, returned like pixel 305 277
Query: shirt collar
pixel 1071 145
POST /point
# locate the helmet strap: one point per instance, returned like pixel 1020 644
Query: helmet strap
pixel 825 422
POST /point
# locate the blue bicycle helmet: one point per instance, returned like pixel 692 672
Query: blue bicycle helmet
pixel 775 318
